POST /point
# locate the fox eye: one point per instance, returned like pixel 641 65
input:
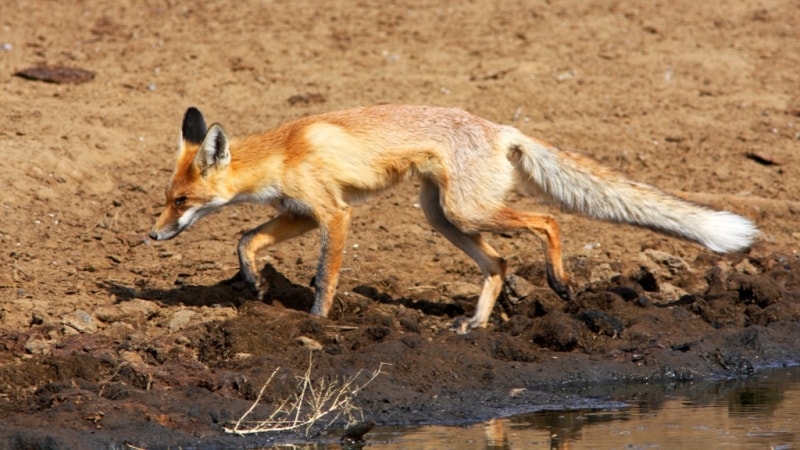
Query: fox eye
pixel 180 201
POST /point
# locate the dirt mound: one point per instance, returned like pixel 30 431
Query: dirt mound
pixel 114 338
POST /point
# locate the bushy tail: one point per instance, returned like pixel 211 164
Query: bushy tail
pixel 583 185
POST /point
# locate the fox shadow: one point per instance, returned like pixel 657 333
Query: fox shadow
pixel 427 307
pixel 276 289
pixel 232 291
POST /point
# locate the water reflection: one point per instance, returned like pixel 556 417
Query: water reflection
pixel 762 412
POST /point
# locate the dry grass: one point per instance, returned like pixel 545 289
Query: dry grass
pixel 313 402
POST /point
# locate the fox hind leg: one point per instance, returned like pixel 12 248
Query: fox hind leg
pixel 492 266
pixel 545 227
pixel 285 226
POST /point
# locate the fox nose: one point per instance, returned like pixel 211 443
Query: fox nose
pixel 153 235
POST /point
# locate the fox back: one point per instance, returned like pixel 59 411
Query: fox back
pixel 313 168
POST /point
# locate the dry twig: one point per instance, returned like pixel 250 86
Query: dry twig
pixel 311 403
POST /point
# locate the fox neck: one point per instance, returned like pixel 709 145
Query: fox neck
pixel 253 177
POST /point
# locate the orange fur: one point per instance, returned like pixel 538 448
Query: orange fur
pixel 313 168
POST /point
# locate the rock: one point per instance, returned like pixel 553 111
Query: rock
pixel 557 331
pixel 461 289
pixel 662 264
pixel 354 435
pixel 81 321
pixel 132 358
pixel 309 343
pixel 518 288
pixel 138 306
pixel 746 266
pixel 181 319
pixel 37 345
pixel 602 272
pixel 601 322
pixel 517 392
pixel 670 292
pixel 56 74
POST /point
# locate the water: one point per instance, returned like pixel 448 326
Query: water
pixel 758 413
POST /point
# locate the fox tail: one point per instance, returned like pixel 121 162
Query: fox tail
pixel 581 184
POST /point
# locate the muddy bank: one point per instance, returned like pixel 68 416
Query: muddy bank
pixel 184 384
pixel 108 338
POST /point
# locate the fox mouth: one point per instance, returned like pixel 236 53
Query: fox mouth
pixel 165 235
pixel 168 231
pixel 186 220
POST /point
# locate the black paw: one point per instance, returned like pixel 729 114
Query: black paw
pixel 242 282
pixel 559 287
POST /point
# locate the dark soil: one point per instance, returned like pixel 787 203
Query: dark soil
pixel 107 338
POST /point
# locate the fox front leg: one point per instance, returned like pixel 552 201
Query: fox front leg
pixel 334 233
pixel 247 270
pixel 282 227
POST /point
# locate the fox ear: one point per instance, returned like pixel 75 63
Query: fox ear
pixel 194 126
pixel 213 151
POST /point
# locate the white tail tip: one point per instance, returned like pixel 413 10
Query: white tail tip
pixel 726 232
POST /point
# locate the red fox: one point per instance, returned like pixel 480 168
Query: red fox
pixel 313 168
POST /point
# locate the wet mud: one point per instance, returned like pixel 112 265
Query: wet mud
pixel 108 339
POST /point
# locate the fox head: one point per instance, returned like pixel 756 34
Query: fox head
pixel 196 187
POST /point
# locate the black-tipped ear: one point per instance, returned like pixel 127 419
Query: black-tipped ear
pixel 194 126
pixel 213 151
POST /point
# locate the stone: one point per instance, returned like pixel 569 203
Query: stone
pixel 309 343
pixel 81 321
pixel 181 319
pixel 37 345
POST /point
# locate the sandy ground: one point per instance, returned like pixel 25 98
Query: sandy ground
pixel 107 338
